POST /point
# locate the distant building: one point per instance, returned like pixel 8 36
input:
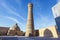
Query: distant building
pixel 12 31
pixel 3 31
pixel 15 30
pixel 36 32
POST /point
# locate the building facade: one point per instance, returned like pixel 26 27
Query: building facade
pixel 56 14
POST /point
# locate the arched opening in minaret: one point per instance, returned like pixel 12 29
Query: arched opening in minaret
pixel 48 33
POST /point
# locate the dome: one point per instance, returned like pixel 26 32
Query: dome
pixel 14 27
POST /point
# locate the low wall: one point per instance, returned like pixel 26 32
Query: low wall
pixel 27 38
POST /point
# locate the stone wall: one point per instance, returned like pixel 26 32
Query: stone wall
pixel 48 32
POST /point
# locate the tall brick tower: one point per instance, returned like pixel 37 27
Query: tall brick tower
pixel 30 22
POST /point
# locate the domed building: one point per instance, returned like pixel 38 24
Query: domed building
pixel 14 27
pixel 14 30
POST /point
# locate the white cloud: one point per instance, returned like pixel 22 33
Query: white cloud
pixel 13 19
pixel 43 21
pixel 11 11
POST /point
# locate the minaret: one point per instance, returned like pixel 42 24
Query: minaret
pixel 30 22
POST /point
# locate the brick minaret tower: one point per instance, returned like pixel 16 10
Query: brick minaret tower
pixel 30 22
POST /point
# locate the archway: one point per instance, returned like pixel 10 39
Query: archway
pixel 48 33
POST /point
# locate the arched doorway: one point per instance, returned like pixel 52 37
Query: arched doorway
pixel 48 33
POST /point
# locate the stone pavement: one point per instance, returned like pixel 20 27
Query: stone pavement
pixel 28 38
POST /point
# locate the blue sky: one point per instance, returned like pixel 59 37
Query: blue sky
pixel 15 11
